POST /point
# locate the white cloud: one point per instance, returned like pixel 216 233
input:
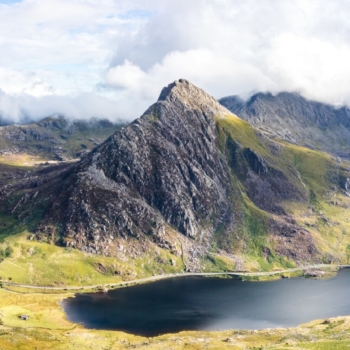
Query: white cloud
pixel 229 47
pixel 126 77
pixel 17 82
pixel 26 108
pixel 128 50
pixel 318 69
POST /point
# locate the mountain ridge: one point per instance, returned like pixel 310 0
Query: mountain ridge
pixel 293 118
pixel 55 138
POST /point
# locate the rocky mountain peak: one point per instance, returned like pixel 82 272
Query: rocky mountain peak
pixel 182 92
pixel 162 173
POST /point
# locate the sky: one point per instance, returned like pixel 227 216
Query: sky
pixel 111 58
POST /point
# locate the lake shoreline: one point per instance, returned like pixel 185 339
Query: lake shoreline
pixel 266 275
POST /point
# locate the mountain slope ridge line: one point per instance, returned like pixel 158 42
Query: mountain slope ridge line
pixel 291 117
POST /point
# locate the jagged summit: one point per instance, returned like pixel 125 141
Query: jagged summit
pixel 182 92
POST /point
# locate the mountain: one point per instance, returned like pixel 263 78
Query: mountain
pixel 191 179
pixel 55 138
pixel 291 117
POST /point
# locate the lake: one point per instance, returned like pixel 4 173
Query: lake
pixel 197 303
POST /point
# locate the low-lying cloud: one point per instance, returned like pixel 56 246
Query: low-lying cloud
pixel 26 108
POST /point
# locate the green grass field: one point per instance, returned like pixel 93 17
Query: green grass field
pixel 37 263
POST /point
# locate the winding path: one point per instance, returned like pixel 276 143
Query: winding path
pixel 160 277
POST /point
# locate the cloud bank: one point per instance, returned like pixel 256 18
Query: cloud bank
pixel 27 108
pixel 115 57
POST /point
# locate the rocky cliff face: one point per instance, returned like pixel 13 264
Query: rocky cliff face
pixel 295 119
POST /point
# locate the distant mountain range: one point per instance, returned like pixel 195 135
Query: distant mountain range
pixel 291 117
pixel 192 179
pixel 55 138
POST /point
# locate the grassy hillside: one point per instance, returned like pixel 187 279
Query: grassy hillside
pixel 323 210
pixel 36 263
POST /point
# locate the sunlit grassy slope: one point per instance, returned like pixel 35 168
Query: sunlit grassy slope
pixel 20 160
pixel 36 263
pixel 317 174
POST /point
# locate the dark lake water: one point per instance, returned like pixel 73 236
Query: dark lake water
pixel 196 303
